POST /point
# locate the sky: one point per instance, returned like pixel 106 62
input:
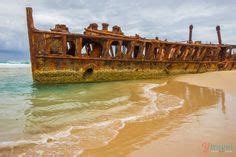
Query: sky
pixel 167 19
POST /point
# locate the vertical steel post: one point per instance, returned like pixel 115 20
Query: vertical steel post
pixel 218 34
pixel 190 34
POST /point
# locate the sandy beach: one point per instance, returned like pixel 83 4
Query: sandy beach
pixel 211 126
pixel 224 80
pixel 187 115
pixel 207 119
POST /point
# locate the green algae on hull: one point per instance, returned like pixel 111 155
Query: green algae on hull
pixel 69 76
pixel 90 72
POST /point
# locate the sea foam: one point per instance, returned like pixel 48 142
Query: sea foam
pixel 112 126
pixel 14 64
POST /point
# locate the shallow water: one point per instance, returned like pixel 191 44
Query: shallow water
pixel 84 119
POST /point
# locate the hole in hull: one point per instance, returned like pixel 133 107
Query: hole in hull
pixel 87 73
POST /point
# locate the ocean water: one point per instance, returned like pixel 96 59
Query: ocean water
pixel 72 118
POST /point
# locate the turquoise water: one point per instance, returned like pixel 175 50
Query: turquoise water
pixel 52 118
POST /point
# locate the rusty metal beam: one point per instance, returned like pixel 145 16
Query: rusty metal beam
pixel 190 34
pixel 218 34
pixel 30 25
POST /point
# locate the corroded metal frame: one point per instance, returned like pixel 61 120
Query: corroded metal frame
pixel 59 56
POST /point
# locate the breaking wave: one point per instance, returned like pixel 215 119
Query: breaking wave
pixel 104 131
pixel 15 64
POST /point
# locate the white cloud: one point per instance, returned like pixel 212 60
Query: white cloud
pixel 169 19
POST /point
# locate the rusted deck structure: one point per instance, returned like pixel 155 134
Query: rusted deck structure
pixel 59 56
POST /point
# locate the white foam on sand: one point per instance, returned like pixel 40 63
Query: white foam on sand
pixel 111 127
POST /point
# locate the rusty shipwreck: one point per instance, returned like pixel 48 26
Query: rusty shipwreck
pixel 59 56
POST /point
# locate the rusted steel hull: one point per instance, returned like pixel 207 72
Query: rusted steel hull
pixel 55 70
pixel 58 56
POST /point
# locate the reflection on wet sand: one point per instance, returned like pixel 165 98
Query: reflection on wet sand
pixel 134 135
pixel 55 108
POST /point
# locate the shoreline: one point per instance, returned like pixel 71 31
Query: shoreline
pixel 188 140
pixel 186 116
pixel 225 80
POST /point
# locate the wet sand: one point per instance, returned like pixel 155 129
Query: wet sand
pixel 225 80
pixel 167 117
pixel 207 117
pixel 214 125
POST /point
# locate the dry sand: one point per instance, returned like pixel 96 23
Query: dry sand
pixel 225 80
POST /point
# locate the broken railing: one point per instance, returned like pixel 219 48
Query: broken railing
pixel 112 45
pixel 78 45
